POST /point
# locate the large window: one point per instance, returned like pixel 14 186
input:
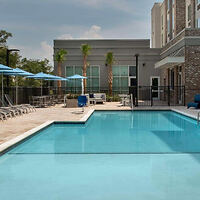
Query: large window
pixel 189 12
pixel 92 81
pixel 172 78
pixel 198 23
pixel 93 78
pixel 120 79
pixel 168 5
pixel 168 26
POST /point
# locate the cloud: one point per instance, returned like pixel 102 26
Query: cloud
pixel 44 50
pixel 92 33
pixel 65 36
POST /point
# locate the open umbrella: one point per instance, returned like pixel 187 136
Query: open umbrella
pixel 5 70
pixel 42 76
pixel 76 77
pixel 4 67
pixel 18 72
pixel 56 78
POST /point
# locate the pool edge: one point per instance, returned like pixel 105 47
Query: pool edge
pixel 5 147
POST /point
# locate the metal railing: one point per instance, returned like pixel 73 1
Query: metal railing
pixel 142 95
pixel 158 96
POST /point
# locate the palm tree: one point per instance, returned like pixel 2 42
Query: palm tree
pixel 109 62
pixel 85 48
pixel 60 57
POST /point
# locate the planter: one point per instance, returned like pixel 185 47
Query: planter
pixel 71 103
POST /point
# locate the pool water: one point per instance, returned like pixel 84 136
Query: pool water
pixel 139 155
pixel 119 132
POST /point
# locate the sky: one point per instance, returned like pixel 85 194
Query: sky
pixel 36 23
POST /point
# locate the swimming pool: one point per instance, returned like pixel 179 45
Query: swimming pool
pixel 115 155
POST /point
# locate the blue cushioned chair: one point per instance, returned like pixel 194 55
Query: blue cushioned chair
pixel 82 102
pixel 196 103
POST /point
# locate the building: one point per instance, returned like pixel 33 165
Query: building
pixel 124 68
pixel 172 64
pixel 178 36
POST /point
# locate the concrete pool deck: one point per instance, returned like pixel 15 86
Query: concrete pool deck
pixel 15 127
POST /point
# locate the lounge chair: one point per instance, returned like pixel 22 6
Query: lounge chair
pixel 196 103
pixel 26 107
pixel 4 114
pixel 82 102
pixel 13 110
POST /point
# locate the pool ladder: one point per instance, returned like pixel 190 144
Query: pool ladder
pixel 198 118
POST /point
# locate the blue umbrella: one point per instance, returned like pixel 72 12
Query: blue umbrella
pixel 18 72
pixel 43 76
pixel 7 71
pixel 56 78
pixel 3 67
pixel 76 77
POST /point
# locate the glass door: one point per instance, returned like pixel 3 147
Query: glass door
pixel 155 84
pixel 180 89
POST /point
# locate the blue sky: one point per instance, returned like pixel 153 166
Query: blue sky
pixel 36 23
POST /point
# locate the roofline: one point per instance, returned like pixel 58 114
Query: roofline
pixel 102 39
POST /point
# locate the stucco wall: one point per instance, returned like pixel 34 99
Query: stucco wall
pixel 124 52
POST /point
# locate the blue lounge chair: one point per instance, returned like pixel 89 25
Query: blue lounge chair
pixel 196 103
pixel 82 102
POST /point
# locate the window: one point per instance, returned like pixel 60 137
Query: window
pixel 198 23
pixel 120 79
pixel 189 12
pixel 92 81
pixel 168 5
pixel 173 19
pixel 168 26
pixel 172 78
pixel 162 21
pixel 132 71
pixel 93 78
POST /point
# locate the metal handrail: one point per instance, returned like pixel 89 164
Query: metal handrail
pixel 131 102
pixel 198 118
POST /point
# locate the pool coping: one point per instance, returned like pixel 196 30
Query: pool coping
pixel 6 146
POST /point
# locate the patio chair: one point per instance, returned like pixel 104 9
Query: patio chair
pixel 4 114
pixel 26 107
pixel 13 110
pixel 196 103
pixel 8 112
pixel 82 102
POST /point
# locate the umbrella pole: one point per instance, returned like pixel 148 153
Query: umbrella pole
pixel 41 87
pixel 2 86
pixel 82 86
pixel 16 79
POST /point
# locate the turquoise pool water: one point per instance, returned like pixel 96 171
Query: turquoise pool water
pixel 141 155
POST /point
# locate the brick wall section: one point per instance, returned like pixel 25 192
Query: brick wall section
pixel 179 16
pixel 192 72
pixel 173 41
pixel 181 35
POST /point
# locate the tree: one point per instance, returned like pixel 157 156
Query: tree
pixel 60 57
pixel 34 66
pixel 85 48
pixel 4 35
pixel 109 62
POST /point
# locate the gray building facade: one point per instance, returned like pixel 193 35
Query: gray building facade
pixel 124 68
